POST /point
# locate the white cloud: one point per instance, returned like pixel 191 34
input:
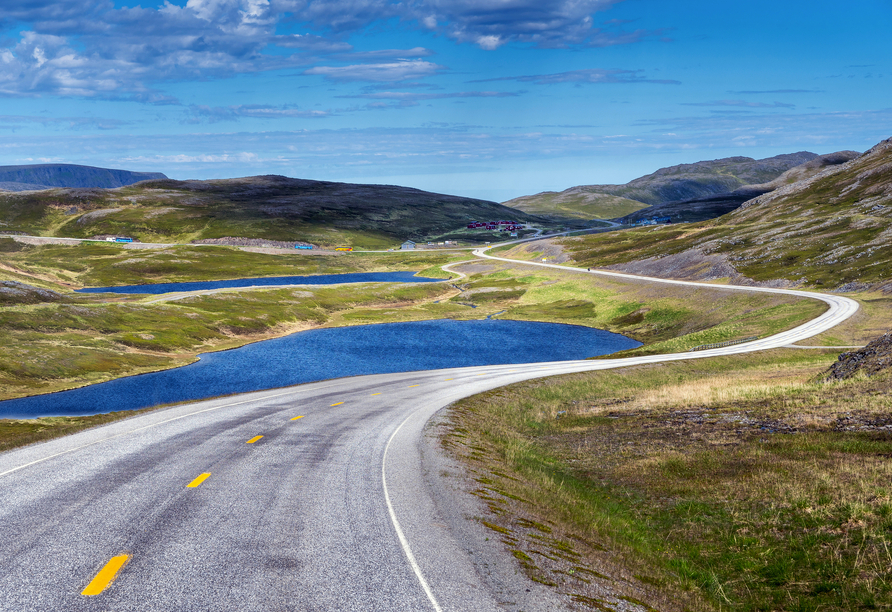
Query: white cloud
pixel 591 75
pixel 389 72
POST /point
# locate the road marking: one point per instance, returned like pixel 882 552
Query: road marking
pixel 105 576
pixel 337 403
pixel 396 524
pixel 298 417
pixel 410 386
pixel 153 425
pixel 482 374
pixel 449 379
pixel 253 440
pixel 200 479
pixel 379 393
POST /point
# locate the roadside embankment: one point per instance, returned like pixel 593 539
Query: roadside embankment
pixel 728 483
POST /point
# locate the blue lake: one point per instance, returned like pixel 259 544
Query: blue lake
pixel 318 279
pixel 332 353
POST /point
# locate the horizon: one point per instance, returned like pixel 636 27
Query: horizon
pixel 489 100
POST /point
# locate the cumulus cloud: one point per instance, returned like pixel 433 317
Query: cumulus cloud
pixel 95 49
pixel 559 23
pixel 592 75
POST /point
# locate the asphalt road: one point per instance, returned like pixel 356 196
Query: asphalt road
pixel 341 509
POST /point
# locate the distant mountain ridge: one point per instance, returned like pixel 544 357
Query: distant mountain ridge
pixel 269 207
pixel 700 180
pixel 830 229
pixel 35 177
pixel 701 209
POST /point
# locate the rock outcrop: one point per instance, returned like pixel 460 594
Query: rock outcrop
pixel 872 359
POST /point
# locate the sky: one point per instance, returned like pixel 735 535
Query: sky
pixel 492 99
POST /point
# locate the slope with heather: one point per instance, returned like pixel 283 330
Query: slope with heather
pixel 267 207
pixel 828 231
pixel 705 179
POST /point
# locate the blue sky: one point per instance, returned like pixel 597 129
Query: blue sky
pixel 485 98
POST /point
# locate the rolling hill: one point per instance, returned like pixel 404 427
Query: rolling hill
pixel 831 230
pixel 47 176
pixel 266 207
pixel 701 180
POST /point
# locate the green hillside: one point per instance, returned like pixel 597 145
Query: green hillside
pixel 267 207
pixel 829 230
pixel 676 183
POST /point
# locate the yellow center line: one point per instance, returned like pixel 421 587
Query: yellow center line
pixel 200 479
pixel 253 440
pixel 376 393
pixel 449 379
pixel 297 417
pixel 337 403
pixel 410 386
pixel 482 374
pixel 106 575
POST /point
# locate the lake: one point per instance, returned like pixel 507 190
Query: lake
pixel 266 281
pixel 321 354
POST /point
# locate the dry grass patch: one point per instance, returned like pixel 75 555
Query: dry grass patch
pixel 736 483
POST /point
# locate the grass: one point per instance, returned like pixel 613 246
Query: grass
pixel 64 345
pixel 578 205
pixel 273 208
pixel 737 483
pixel 19 432
pixel 97 265
pixel 834 232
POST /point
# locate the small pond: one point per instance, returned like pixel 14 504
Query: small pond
pixel 266 281
pixel 332 353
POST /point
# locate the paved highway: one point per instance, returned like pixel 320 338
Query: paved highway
pixel 325 496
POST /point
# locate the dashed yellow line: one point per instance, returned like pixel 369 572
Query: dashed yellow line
pixel 200 479
pixel 410 386
pixel 449 379
pixel 105 576
pixel 337 403
pixel 297 417
pixel 253 440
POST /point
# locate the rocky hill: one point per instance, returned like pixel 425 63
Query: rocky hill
pixel 701 209
pixel 685 182
pixel 832 230
pixel 260 207
pixel 872 359
pixel 48 176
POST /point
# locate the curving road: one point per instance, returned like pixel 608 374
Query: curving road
pixel 325 496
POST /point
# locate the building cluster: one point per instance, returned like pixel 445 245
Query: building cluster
pixel 502 226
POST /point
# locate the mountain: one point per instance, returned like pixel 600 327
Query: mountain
pixel 48 176
pixel 266 207
pixel 701 209
pixel 705 179
pixel 831 230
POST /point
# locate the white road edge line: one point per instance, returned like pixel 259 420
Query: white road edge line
pixel 126 433
pixel 396 524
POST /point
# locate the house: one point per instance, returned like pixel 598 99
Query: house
pixel 407 245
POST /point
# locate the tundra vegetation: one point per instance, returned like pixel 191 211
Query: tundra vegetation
pixel 754 482
pixel 263 207
pixel 65 340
